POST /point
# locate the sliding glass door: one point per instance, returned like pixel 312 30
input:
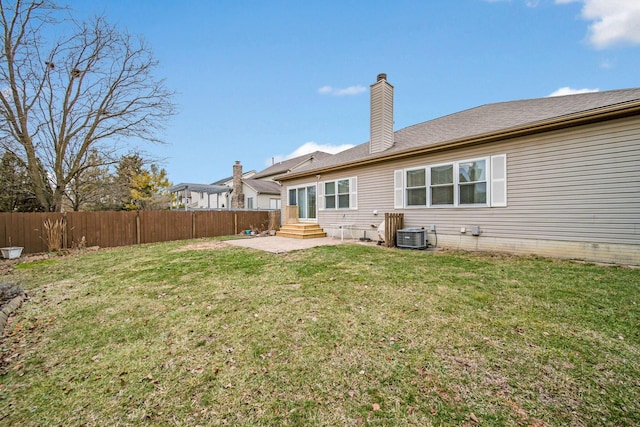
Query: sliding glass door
pixel 305 199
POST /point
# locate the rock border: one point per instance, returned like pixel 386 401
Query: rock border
pixel 8 310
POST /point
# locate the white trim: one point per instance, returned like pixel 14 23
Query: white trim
pixel 499 180
pixel 398 189
pixel 353 192
pixel 320 196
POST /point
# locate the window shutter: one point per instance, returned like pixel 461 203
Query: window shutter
pixel 398 189
pixel 320 197
pixel 353 193
pixel 499 180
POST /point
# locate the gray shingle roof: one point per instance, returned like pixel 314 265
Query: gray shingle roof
pixel 483 120
pixel 199 188
pixel 222 181
pixel 263 186
pixel 286 165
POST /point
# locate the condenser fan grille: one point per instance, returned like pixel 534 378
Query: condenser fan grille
pixel 412 238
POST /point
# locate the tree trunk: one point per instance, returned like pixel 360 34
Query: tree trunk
pixel 38 178
pixel 56 205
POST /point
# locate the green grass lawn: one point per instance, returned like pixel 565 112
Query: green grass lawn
pixel 335 335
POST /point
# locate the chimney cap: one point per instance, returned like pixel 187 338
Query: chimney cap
pixel 382 76
pixel 237 162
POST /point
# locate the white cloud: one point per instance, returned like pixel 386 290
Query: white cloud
pixel 307 148
pixel 351 90
pixel 615 22
pixel 570 91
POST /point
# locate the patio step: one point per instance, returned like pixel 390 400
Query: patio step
pixel 301 231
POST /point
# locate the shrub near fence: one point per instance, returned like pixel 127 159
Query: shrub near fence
pixel 111 229
pixel 25 229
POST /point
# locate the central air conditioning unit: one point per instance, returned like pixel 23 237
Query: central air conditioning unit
pixel 411 238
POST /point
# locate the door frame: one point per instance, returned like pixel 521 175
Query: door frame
pixel 306 186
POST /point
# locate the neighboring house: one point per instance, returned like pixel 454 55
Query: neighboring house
pixel 260 191
pixel 204 196
pixel 198 196
pixel 257 190
pixel 261 194
pixel 557 176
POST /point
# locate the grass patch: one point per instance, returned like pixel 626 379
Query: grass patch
pixel 35 264
pixel 335 335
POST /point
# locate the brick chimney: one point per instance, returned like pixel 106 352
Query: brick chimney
pixel 381 115
pixel 237 197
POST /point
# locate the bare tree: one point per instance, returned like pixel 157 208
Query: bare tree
pixel 61 99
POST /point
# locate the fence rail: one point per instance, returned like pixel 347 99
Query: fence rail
pixel 111 229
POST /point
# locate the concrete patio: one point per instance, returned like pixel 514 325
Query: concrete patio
pixel 276 244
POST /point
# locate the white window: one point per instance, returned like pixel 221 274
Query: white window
pixel 416 187
pixel 249 202
pixel 330 195
pixel 442 187
pixel 472 182
pixel 274 204
pixel 339 194
pixel 475 182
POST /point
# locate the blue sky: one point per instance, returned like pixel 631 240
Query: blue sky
pixel 258 80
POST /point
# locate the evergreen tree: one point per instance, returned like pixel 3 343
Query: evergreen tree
pixel 17 193
pixel 141 188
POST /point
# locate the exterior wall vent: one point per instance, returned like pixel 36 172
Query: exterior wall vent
pixel 412 238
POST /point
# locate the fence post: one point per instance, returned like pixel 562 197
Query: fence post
pixel 138 232
pixel 193 224
pixel 65 231
pixel 235 223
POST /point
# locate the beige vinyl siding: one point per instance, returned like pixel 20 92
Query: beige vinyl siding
pixel 369 181
pixel 570 185
pixel 583 185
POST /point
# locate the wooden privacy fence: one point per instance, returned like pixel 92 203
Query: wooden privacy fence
pixel 111 229
pixel 392 223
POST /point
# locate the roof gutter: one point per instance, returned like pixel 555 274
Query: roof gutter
pixel 571 120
